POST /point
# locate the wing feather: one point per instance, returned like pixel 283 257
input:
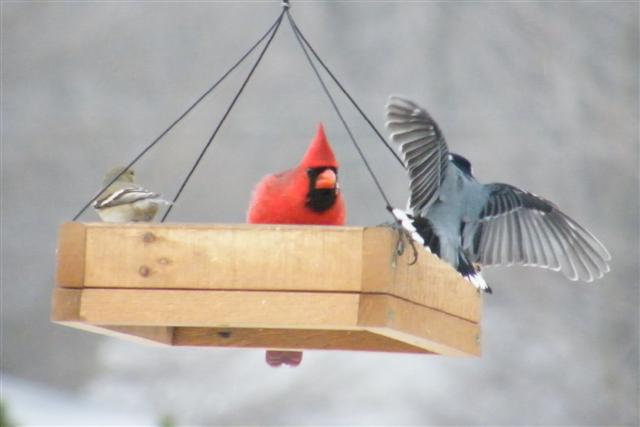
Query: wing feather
pixel 548 248
pixel 127 195
pixel 423 147
pixel 517 227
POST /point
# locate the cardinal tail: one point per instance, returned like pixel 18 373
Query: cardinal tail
pixel 277 358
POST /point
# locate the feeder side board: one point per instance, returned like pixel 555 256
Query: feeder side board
pixel 214 308
pixel 224 257
pixel 411 322
pixel 71 255
pixel 426 280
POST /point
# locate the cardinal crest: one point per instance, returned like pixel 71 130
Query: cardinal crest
pixel 319 153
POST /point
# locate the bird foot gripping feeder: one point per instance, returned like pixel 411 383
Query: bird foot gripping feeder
pixel 262 286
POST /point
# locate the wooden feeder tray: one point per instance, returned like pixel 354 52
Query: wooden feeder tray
pixel 264 286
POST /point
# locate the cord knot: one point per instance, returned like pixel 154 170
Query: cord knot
pixel 285 4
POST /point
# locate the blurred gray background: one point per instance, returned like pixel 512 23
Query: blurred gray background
pixel 538 94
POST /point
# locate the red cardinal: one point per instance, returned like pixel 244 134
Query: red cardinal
pixel 307 194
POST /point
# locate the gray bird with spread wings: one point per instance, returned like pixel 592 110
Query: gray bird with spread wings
pixel 469 224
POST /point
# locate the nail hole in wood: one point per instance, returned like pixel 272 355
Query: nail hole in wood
pixel 144 271
pixel 148 237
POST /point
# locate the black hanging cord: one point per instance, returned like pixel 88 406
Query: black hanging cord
pixel 355 104
pixel 335 107
pixel 182 116
pixel 274 30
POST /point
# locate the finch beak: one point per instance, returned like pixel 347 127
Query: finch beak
pixel 326 180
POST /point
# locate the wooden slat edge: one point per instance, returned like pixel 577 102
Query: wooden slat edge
pixel 71 255
pixel 143 307
pixel 156 335
pixel 65 305
pixel 425 327
pixel 66 308
pixel 291 339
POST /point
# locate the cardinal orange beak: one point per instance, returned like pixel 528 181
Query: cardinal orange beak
pixel 326 180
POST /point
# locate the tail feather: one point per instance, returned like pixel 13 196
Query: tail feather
pixel 470 273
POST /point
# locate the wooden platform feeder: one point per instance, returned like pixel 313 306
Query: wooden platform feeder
pixel 263 286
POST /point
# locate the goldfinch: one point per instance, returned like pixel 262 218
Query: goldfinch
pixel 125 201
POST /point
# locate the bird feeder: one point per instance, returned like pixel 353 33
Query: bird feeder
pixel 262 286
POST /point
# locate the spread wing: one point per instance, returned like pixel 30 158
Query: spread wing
pixel 517 227
pixel 424 150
